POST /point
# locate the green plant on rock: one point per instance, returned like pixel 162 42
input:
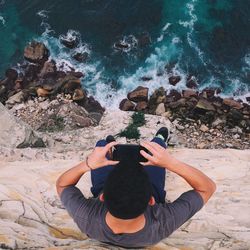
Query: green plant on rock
pixel 131 131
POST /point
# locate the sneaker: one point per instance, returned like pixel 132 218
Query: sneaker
pixel 163 133
pixel 110 138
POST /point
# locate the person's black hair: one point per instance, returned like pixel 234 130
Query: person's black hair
pixel 127 190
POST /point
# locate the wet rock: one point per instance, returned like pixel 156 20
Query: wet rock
pixel 146 78
pixel 70 40
pixel 76 74
pixel 36 52
pixel 173 96
pixel 232 103
pixel 160 109
pixel 248 98
pixel 126 105
pixel 140 106
pixel 139 94
pixel 67 84
pixel 31 72
pixel 11 74
pixel 144 39
pixel 48 70
pixel 121 45
pixel 81 56
pixel 191 82
pixel 205 105
pixel 173 80
pixel 189 93
pixel 7 85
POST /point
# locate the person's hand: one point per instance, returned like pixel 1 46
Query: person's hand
pixel 159 156
pixel 98 158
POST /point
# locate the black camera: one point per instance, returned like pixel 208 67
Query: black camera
pixel 128 152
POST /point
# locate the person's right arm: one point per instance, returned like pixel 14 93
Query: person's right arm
pixel 196 179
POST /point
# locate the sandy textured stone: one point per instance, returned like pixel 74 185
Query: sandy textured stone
pixel 15 133
pixel 32 216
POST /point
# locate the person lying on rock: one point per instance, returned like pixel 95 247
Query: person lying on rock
pixel 129 208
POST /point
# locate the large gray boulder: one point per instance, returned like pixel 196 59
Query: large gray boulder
pixel 16 134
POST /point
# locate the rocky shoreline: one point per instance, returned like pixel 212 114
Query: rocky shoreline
pixel 202 119
pixel 49 99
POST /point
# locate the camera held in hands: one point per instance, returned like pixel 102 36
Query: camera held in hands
pixel 128 151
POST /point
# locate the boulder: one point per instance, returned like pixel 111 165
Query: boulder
pixel 180 103
pixel 121 46
pixel 234 117
pixel 19 97
pixel 210 92
pixel 81 56
pixel 157 97
pixel 205 105
pixel 36 52
pixel 141 106
pixel 146 78
pixel 48 70
pixel 160 109
pixel 67 84
pixel 232 103
pixel 139 94
pixel 31 72
pixel 79 94
pixel 15 133
pixel 71 39
pixel 191 82
pixel 92 105
pixel 11 74
pixel 189 93
pixel 126 105
pixel 41 92
pixel 76 74
pixel 173 96
pixel 173 80
pixel 81 121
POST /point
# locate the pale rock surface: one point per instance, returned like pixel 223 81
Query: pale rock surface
pixel 32 217
pixel 14 132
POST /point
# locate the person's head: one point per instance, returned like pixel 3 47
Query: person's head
pixel 127 191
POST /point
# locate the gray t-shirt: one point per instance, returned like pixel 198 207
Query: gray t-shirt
pixel 161 219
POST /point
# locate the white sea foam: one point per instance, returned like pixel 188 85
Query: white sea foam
pixel 164 32
pixel 2 20
pixel 128 43
pixel 94 80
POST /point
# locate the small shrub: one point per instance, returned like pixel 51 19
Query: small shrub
pixel 138 119
pixel 131 131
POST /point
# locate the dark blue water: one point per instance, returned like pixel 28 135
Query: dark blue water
pixel 209 39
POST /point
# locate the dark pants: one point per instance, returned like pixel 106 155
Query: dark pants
pixel 156 176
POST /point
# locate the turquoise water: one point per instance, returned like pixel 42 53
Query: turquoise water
pixel 209 39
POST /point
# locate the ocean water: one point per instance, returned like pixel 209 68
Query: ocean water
pixel 209 39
